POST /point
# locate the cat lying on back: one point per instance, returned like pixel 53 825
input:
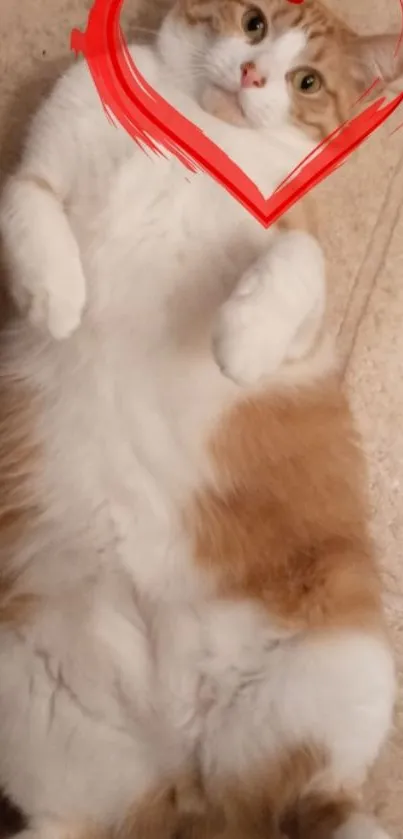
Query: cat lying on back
pixel 190 612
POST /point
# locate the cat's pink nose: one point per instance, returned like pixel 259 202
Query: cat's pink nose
pixel 250 75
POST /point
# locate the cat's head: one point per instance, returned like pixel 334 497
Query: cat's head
pixel 279 61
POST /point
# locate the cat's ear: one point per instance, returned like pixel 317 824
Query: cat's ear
pixel 376 57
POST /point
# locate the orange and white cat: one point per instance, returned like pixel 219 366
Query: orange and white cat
pixel 191 628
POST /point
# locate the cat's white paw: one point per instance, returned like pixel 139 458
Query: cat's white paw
pixel 56 302
pixel 247 341
pixel 261 325
pixel 42 255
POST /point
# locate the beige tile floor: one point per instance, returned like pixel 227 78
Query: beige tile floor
pixel 362 226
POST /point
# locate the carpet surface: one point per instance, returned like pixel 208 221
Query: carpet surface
pixel 361 216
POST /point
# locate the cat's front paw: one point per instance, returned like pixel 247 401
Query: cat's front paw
pixel 275 312
pixel 41 253
pixel 54 303
pixel 248 344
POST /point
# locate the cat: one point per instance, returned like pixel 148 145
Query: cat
pixel 192 639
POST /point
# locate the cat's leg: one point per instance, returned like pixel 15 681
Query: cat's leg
pixel 42 254
pixel 275 313
pixel 78 747
pixel 45 275
pixel 294 745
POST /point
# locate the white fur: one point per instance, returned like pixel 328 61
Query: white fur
pixel 133 667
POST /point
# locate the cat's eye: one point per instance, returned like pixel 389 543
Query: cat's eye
pixel 306 80
pixel 254 24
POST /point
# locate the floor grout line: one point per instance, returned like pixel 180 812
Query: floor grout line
pixel 371 265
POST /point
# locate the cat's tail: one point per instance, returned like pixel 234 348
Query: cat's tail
pixel 45 274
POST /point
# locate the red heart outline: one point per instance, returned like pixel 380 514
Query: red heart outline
pixel 149 119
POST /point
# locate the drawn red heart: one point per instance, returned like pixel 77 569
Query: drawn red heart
pixel 149 119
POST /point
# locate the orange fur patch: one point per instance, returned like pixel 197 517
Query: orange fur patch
pixel 318 816
pixel 176 810
pixel 287 523
pixel 272 803
pixel 258 806
pixel 155 817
